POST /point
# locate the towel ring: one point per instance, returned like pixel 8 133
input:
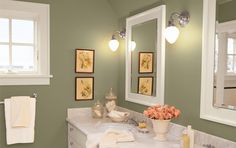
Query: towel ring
pixel 35 95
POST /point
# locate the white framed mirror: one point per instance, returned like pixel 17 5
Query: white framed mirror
pixel 218 82
pixel 145 62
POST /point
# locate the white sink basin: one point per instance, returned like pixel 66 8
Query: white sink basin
pixel 141 140
pixel 145 138
pixel 118 126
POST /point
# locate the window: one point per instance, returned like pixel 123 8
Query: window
pixel 231 57
pixel 216 52
pixel 17 51
pixel 24 43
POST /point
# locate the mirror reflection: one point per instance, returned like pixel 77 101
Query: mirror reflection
pixel 145 65
pixel 143 58
pixel 225 55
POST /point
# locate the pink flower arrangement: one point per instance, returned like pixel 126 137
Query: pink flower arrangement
pixel 162 112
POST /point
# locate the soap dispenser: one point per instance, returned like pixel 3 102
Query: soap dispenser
pixel 191 135
pixel 185 140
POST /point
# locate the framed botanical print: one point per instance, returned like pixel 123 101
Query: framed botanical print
pixel 145 85
pixel 146 62
pixel 84 61
pixel 84 88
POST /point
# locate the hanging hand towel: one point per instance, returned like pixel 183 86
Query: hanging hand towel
pixel 20 111
pixel 20 134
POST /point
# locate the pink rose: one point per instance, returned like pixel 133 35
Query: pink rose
pixel 158 112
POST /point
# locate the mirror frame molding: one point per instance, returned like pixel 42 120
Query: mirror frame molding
pixel 208 111
pixel 158 13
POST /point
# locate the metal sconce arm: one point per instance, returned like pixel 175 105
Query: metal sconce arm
pixel 182 18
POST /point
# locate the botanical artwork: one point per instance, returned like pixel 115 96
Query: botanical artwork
pixel 84 61
pixel 145 85
pixel 84 88
pixel 145 62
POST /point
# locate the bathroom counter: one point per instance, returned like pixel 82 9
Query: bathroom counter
pixel 90 126
pixel 81 126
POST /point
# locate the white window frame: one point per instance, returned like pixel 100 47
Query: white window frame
pixel 40 13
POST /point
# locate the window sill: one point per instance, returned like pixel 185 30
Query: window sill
pixel 16 79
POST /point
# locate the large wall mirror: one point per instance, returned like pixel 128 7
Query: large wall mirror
pixel 218 92
pixel 225 55
pixel 145 61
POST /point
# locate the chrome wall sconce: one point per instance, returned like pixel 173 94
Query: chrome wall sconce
pixel 172 32
pixel 114 43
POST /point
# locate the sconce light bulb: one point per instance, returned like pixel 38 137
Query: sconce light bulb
pixel 171 34
pixel 133 45
pixel 113 44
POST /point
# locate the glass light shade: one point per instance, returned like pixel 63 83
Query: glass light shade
pixel 113 44
pixel 171 34
pixel 133 45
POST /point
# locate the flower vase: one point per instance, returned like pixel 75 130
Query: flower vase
pixel 160 127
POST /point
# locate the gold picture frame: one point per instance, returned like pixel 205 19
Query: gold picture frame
pixel 84 61
pixel 146 62
pixel 145 85
pixel 84 88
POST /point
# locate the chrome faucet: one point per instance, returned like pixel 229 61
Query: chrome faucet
pixel 208 146
pixel 132 121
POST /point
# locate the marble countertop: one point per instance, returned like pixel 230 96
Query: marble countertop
pixel 88 125
pixel 93 126
pixel 81 118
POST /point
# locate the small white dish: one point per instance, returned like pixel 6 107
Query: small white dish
pixel 117 116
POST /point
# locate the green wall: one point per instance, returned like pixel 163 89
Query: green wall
pixel 183 65
pixel 227 11
pixel 74 24
pixel 89 24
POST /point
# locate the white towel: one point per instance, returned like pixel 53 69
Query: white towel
pixel 19 134
pixel 109 139
pixel 20 111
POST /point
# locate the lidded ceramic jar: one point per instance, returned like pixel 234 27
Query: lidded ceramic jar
pixel 97 110
pixel 110 101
